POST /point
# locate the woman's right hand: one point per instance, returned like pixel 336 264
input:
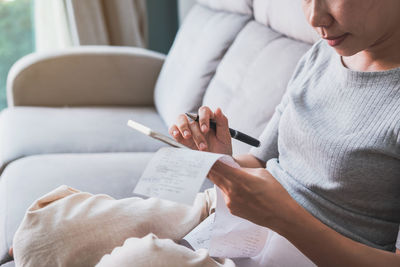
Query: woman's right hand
pixel 199 135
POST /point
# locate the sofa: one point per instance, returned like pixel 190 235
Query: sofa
pixel 67 114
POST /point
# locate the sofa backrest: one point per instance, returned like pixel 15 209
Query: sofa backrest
pixel 253 75
pixel 206 34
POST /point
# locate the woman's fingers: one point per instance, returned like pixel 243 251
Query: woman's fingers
pixel 205 114
pixel 183 126
pixel 11 252
pixel 197 136
pixel 176 134
pixel 219 180
pixel 228 174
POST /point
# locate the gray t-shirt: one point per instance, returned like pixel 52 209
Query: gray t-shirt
pixel 334 144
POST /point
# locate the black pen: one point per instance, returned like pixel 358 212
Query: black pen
pixel 234 134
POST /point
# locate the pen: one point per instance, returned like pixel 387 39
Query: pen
pixel 234 133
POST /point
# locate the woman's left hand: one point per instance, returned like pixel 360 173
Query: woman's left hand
pixel 254 194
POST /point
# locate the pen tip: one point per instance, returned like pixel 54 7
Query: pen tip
pixel 192 116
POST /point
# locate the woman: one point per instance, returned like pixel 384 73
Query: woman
pixel 331 183
pixel 336 149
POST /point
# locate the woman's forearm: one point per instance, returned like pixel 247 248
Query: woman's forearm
pixel 249 161
pixel 326 247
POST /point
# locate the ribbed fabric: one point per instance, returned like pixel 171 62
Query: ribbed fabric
pixel 334 144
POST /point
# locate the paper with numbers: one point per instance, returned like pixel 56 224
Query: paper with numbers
pixel 234 237
pixel 176 174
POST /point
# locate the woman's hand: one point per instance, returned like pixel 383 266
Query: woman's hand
pixel 254 194
pixel 199 135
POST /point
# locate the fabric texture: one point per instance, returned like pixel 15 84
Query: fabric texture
pixel 29 178
pixel 85 76
pixel 97 130
pixel 251 79
pixel 239 6
pixel 272 12
pixel 67 227
pixel 193 59
pixel 52 28
pixel 150 251
pixel 337 133
pixel 117 22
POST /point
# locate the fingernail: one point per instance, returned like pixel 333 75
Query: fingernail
pixel 204 127
pixel 175 133
pixel 186 133
pixel 202 146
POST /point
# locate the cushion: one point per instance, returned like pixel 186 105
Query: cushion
pixel 25 180
pixel 28 131
pixel 237 6
pixel 252 78
pixel 286 17
pixel 201 42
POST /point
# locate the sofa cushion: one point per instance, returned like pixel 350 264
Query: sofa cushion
pixel 201 42
pixel 252 78
pixel 237 6
pixel 25 180
pixel 286 17
pixel 26 131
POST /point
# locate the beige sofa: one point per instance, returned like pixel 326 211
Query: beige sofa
pixel 66 121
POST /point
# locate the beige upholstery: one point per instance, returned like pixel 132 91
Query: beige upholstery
pixel 236 6
pixel 85 76
pixel 286 17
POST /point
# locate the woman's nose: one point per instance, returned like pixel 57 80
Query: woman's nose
pixel 319 15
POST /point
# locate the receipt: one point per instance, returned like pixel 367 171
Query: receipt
pixel 235 237
pixel 176 174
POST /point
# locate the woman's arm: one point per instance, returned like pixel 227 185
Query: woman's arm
pixel 249 161
pixel 326 247
pixel 254 194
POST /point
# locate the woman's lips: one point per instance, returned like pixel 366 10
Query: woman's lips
pixel 335 41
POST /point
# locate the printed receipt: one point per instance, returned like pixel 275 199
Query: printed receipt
pixel 234 237
pixel 177 175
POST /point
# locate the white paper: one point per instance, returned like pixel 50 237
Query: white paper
pixel 176 174
pixel 200 236
pixel 235 237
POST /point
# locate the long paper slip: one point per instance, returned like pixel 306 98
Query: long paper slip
pixel 176 174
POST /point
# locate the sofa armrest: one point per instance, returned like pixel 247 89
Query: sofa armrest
pixel 85 76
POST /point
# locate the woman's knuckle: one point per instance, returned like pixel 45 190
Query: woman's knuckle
pixel 203 109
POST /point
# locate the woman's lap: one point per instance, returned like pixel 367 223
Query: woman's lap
pixel 71 228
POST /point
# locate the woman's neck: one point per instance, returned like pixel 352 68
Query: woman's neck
pixel 384 55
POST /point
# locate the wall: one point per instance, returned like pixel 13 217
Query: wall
pixel 163 24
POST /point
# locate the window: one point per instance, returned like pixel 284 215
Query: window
pixel 16 37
